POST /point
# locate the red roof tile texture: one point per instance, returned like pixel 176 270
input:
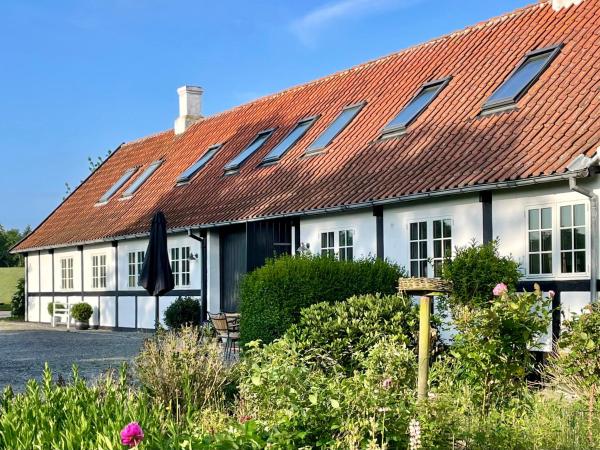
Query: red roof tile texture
pixel 448 146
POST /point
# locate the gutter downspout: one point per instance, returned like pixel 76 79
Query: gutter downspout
pixel 593 234
pixel 204 281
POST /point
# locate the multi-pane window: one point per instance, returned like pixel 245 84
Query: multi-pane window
pixel 418 249
pixel 180 265
pixel 346 245
pixel 66 273
pixel 328 244
pixel 540 240
pixel 135 263
pixel 572 239
pixel 442 244
pixel 98 271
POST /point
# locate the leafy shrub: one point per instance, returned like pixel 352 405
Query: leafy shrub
pixel 492 348
pixel 273 295
pixel 183 311
pixel 18 300
pixel 344 374
pixel 182 369
pixel 81 312
pixel 342 334
pixel 474 272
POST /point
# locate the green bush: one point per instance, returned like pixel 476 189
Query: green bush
pixel 475 270
pixel 81 312
pixel 492 347
pixel 50 307
pixel 342 334
pixel 18 300
pixel 183 311
pixel 273 295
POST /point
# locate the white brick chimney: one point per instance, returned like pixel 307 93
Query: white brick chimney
pixel 189 107
pixel 557 5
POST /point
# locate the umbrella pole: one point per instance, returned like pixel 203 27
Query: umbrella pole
pixel 156 319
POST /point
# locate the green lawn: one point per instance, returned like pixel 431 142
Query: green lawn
pixel 9 276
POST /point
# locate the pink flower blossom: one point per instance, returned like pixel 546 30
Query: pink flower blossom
pixel 245 419
pixel 551 294
pixel 132 434
pixel 500 289
pixel 387 383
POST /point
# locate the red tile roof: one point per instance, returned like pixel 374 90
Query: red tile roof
pixel 448 146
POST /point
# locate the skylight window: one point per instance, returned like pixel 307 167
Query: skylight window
pixel 527 73
pixel 289 141
pixel 336 127
pixel 257 143
pixel 198 165
pixel 428 92
pixel 141 179
pixel 118 185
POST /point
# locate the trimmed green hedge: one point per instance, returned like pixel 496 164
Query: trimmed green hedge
pixel 273 295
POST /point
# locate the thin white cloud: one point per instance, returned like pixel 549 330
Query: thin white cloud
pixel 307 27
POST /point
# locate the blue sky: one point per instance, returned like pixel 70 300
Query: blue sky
pixel 78 77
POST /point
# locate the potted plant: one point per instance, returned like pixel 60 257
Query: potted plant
pixel 81 312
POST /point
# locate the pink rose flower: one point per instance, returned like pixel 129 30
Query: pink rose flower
pixel 500 289
pixel 132 434
pixel 551 294
pixel 387 383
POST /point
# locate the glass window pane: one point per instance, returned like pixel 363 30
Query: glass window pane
pixel 566 262
pixel 414 250
pixel 534 241
pixel 437 229
pixel 289 141
pixel 195 168
pixel 423 268
pixel 422 230
pixel 566 239
pixel 546 262
pixel 447 248
pixel 447 228
pixel 534 219
pixel 423 249
pixel 350 237
pixel 565 216
pixel 437 249
pixel 437 268
pixel 546 241
pixel 336 127
pixel 350 253
pixel 414 268
pixel 580 262
pixel 257 143
pixel 330 235
pixel 520 79
pixel 342 238
pixel 323 240
pixel 414 234
pixel 579 215
pixel 579 237
pixel 534 263
pixel 415 106
pixel 132 189
pixel 547 218
pixel 118 185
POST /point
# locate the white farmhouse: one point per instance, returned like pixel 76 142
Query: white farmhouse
pixel 492 131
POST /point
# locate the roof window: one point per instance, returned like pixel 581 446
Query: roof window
pixel 335 128
pixel 198 165
pixel 520 80
pixel 118 185
pixel 132 189
pixel 288 142
pixel 257 143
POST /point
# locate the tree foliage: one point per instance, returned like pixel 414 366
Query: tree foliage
pixel 8 238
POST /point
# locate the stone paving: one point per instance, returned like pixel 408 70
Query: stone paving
pixel 25 347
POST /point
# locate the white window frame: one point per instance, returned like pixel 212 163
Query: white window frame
pixel 556 244
pixel 180 265
pixel 134 267
pixel 336 249
pixel 99 271
pixel 67 273
pixel 430 242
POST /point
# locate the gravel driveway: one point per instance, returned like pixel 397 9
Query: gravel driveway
pixel 24 348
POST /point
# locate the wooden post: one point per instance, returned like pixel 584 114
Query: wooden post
pixel 424 338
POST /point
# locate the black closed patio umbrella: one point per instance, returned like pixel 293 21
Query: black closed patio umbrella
pixel 156 276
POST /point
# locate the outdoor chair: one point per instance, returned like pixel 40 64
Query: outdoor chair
pixel 226 332
pixel 233 328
